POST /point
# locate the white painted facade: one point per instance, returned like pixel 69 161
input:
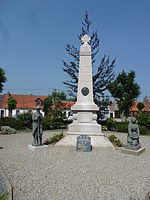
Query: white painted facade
pixel 16 112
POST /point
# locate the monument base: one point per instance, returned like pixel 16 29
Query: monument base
pixel 33 148
pixel 133 152
pixel 84 128
pixel 96 141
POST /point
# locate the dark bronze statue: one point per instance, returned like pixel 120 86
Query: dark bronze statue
pixel 37 128
pixel 133 135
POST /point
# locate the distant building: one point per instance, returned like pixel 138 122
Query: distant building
pixel 27 103
pixel 114 111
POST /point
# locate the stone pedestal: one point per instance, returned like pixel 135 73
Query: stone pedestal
pixel 96 141
pixel 34 148
pixel 85 110
pixel 133 152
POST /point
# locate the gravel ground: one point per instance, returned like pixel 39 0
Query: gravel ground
pixel 61 173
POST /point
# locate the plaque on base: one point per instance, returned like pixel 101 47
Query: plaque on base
pixel 83 143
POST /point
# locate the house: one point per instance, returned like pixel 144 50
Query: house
pixel 27 103
pixel 114 111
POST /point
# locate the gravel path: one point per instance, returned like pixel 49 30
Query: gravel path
pixel 61 173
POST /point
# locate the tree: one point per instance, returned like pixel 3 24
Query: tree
pixel 11 104
pixel 47 105
pixel 140 106
pixel 3 79
pixel 53 106
pixel 57 98
pixel 125 90
pixel 104 72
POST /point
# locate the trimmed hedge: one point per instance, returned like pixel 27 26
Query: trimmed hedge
pixel 24 121
pixel 144 130
pixel 116 126
pixel 111 124
pixel 122 127
pixel 11 122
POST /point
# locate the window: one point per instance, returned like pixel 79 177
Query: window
pixel 111 115
pixel 117 114
pixel 17 112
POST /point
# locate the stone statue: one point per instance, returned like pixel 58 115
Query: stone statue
pixel 133 135
pixel 37 128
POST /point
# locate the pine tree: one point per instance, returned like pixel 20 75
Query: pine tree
pixel 104 73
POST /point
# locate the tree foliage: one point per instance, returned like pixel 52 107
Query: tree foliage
pixel 11 104
pixel 125 90
pixel 143 119
pixel 140 106
pixel 3 79
pixel 104 72
pixel 53 101
pixel 57 98
pixel 47 105
pixel 53 106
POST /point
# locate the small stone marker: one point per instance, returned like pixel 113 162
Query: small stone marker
pixel 83 143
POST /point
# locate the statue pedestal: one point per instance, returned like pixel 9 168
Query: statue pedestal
pixel 96 141
pixel 133 152
pixel 34 148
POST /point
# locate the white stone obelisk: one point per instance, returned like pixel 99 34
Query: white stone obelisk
pixel 85 110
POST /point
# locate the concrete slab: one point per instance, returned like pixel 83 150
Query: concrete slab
pixel 33 148
pixel 96 141
pixel 133 152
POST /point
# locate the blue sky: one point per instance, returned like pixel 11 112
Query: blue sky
pixel 33 34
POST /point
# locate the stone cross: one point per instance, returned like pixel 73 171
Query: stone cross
pixel 85 39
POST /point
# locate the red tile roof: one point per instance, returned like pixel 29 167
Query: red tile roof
pixel 23 101
pixel 67 105
pixel 28 101
pixel 135 109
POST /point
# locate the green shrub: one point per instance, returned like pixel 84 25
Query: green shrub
pixel 144 130
pixel 104 128
pixel 46 123
pixel 11 122
pixel 111 124
pixel 54 121
pixel 25 120
pixel 122 127
pixel 7 130
pixel 57 119
pixel 147 196
pixel 54 139
pixel 115 141
pixel 143 119
pixel 4 196
pixel 57 137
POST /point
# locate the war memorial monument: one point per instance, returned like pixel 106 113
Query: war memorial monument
pixel 85 110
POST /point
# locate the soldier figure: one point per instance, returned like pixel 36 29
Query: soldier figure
pixel 37 128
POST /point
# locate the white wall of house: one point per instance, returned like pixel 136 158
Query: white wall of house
pixel 16 112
